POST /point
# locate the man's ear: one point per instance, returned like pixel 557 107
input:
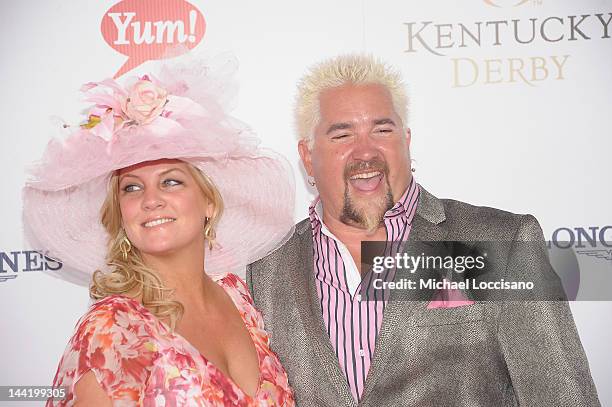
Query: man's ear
pixel 305 155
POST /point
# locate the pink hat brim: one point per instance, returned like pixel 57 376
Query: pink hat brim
pixel 61 203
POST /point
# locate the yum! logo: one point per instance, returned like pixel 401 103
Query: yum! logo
pixel 152 29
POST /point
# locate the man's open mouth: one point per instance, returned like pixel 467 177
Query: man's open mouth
pixel 366 181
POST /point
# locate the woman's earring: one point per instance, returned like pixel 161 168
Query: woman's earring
pixel 125 246
pixel 311 181
pixel 209 232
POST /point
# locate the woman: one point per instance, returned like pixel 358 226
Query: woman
pixel 162 332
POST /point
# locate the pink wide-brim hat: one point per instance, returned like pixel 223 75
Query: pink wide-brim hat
pixel 62 200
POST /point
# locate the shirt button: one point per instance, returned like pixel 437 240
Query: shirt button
pixel 361 352
pixel 358 297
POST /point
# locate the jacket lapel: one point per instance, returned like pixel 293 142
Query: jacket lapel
pixel 427 226
pixel 310 313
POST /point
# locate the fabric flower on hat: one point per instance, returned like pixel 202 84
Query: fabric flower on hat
pixel 145 102
pixel 142 103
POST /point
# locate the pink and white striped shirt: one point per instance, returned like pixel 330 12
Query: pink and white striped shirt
pixel 352 324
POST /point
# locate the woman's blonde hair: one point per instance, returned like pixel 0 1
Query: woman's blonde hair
pixel 129 275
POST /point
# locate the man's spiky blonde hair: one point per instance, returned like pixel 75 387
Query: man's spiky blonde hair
pixel 344 70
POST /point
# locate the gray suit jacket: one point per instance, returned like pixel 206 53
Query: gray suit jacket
pixel 487 354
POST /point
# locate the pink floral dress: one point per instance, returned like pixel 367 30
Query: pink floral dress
pixel 137 360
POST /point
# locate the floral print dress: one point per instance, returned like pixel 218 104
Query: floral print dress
pixel 138 361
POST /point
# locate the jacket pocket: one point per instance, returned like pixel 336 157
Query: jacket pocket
pixel 449 316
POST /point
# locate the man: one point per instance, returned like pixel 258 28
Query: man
pixel 341 349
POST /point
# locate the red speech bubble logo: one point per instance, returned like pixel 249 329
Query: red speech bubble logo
pixel 152 29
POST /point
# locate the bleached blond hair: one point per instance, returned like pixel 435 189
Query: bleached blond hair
pixel 354 69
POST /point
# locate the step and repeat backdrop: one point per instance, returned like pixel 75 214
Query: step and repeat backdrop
pixel 510 107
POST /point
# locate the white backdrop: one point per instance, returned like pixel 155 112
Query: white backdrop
pixel 499 133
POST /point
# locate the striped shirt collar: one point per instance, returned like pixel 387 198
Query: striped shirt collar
pixel 352 323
